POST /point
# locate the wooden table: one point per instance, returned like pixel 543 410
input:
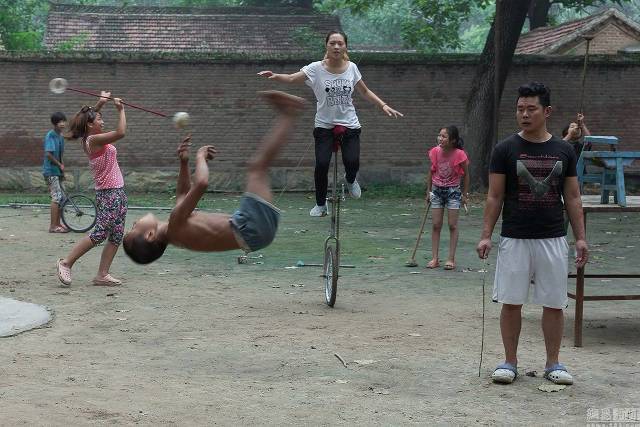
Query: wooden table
pixel 592 204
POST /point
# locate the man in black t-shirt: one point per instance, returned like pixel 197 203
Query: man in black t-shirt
pixel 530 175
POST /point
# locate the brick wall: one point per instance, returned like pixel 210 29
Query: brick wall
pixel 221 98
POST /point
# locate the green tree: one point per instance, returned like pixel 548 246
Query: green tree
pixel 22 23
pixel 306 4
pixel 426 25
pixel 387 19
pixel 446 25
pixel 481 111
pixel 540 10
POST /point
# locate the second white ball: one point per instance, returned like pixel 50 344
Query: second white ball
pixel 181 119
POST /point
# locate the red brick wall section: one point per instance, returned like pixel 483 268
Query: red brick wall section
pixel 21 148
pixel 221 99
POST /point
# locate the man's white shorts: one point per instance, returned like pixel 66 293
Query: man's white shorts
pixel 539 264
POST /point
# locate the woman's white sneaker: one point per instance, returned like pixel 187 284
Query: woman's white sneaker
pixel 318 211
pixel 354 189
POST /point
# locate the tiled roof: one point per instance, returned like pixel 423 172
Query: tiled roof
pixel 549 39
pixel 148 29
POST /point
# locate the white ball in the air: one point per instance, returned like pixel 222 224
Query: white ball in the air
pixel 58 85
pixel 181 119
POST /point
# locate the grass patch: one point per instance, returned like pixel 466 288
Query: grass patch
pixel 167 199
pixel 395 191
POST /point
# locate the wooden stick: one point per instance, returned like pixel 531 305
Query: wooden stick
pixel 340 359
pixel 584 73
pixel 86 92
pixel 412 261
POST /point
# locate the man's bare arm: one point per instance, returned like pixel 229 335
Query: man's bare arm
pixel 573 205
pixel 492 209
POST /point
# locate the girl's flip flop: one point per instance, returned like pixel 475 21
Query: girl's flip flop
pixel 59 230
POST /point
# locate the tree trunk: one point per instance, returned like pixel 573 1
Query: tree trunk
pixel 539 14
pixel 480 116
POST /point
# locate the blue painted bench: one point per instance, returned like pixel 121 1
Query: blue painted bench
pixel 587 174
pixel 611 177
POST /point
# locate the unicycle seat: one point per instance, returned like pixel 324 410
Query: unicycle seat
pixel 338 134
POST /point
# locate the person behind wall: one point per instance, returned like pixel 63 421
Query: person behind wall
pixel 574 134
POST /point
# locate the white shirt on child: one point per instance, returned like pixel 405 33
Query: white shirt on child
pixel 334 95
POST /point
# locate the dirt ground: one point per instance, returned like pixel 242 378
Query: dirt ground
pixel 198 339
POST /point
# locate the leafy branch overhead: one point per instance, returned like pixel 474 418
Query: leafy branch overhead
pixel 451 25
pixel 427 25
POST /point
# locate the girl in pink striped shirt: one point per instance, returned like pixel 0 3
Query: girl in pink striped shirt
pixel 449 164
pixel 111 198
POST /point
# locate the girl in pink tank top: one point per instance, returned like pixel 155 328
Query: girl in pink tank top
pixel 449 164
pixel 111 198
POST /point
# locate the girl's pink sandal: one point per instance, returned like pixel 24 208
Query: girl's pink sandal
pixel 107 280
pixel 64 273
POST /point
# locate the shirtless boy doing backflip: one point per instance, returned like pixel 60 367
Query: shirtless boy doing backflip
pixel 251 228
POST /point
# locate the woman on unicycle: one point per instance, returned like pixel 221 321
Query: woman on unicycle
pixel 333 81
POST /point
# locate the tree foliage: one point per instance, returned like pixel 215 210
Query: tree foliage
pixel 426 25
pixel 447 25
pixel 539 13
pixel 22 23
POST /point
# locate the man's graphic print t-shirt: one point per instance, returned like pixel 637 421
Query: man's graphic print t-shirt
pixel 535 174
pixel 334 94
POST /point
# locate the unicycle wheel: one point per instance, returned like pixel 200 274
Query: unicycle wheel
pixel 79 213
pixel 330 275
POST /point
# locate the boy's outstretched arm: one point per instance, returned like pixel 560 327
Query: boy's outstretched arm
pixel 189 202
pixel 184 176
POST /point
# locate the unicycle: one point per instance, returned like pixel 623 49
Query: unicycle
pixel 331 263
pixel 78 212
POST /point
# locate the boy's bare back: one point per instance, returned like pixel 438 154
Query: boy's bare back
pixel 200 231
pixel 204 232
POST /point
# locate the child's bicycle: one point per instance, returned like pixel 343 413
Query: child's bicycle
pixel 332 243
pixel 78 212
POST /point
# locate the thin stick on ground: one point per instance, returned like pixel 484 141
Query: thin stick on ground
pixel 340 359
pixel 484 276
pixel 412 262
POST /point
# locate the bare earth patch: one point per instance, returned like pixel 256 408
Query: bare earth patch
pixel 198 339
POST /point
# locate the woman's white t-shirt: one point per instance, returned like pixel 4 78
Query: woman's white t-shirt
pixel 334 94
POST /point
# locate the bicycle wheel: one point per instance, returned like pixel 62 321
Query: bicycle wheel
pixel 330 275
pixel 79 213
